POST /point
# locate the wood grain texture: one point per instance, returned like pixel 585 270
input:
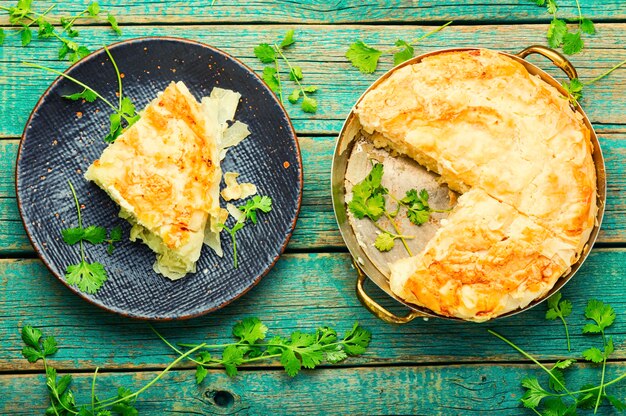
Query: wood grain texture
pixel 343 11
pixel 317 229
pixel 422 390
pixel 302 292
pixel 320 51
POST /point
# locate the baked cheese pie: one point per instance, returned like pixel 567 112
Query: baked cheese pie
pixel 164 173
pixel 511 143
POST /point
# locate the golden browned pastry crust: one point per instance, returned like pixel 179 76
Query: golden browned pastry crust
pixel 481 121
pixel 160 171
pixel 486 259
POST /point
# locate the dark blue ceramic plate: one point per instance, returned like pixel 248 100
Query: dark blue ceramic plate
pixel 62 138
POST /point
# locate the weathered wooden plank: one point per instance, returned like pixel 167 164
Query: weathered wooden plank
pixel 346 11
pixel 302 292
pixel 424 390
pixel 320 52
pixel 316 228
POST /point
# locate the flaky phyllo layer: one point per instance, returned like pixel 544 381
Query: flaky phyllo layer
pixel 164 173
pixel 523 160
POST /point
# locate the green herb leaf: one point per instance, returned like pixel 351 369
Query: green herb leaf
pixel 257 203
pixel 250 330
pixel 309 105
pixel 95 234
pixel 572 43
pixel 113 22
pixel 616 403
pixel 588 399
pixel 114 236
pixel 406 52
pixel 88 277
pixel 288 40
pixel 290 362
pixel 2 36
pixel 574 88
pixel 310 90
pixel 356 340
pixel 556 32
pixel 26 36
pixel 31 354
pixel 603 316
pixel 363 57
pixel 384 242
pixel 554 406
pixel 93 9
pixel 295 73
pixel 587 26
pixel 534 393
pixel 294 96
pixel 49 346
pixel 46 30
pixel 86 94
pixel 270 77
pixel 201 374
pixel 31 336
pixel 231 358
pixel 417 206
pixel 265 53
pixel 367 195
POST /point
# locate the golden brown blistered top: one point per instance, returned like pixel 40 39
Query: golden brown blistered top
pixel 482 121
pixel 486 260
pixel 160 170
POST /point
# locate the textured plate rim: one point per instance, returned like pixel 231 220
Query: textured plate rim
pixel 123 312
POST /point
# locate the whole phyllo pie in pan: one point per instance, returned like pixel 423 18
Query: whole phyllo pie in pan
pixel 521 159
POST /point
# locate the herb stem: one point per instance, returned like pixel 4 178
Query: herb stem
pixel 119 77
pixel 108 402
pixel 80 219
pixel 72 20
pixel 400 236
pixel 93 391
pixel 291 71
pixel 424 36
pixel 169 344
pixel 280 88
pixel 74 80
pixel 598 78
pixel 530 357
pixel 569 348
pixel 595 409
pixel 580 13
pixel 409 237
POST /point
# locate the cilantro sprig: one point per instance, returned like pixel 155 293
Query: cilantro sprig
pixel 23 16
pixel 299 350
pixel 124 113
pixel 249 210
pixel 88 277
pixel 557 398
pixel 558 34
pixel 62 398
pixel 575 86
pixel 368 200
pixel 365 57
pixel 272 54
pixel 561 309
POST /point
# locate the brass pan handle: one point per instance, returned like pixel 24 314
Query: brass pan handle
pixel 556 58
pixel 377 310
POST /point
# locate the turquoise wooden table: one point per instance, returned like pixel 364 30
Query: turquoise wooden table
pixel 429 367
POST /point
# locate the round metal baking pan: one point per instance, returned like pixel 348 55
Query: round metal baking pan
pixel 401 171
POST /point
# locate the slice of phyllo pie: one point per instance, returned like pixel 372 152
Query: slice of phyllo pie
pixel 164 173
